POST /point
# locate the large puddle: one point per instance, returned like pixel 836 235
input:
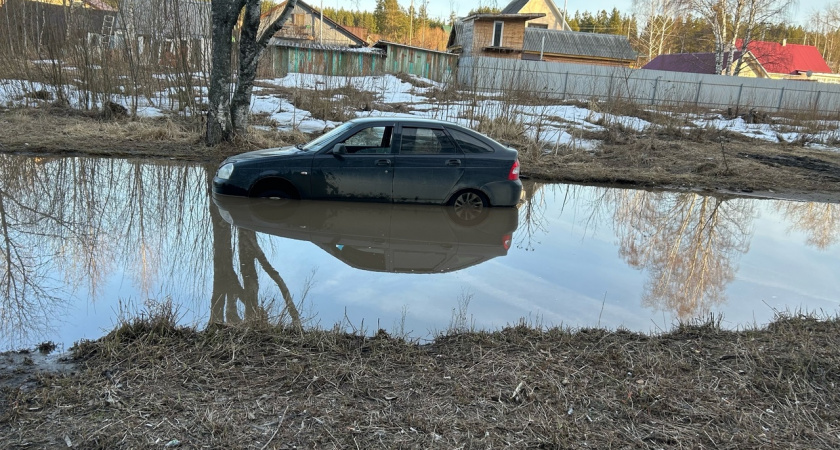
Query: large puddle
pixel 86 243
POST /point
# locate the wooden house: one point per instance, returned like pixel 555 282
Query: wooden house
pixel 553 18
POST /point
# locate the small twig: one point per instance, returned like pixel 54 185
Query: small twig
pixel 278 428
pixel 517 390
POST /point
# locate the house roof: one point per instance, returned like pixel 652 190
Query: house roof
pixel 280 42
pixel 610 46
pixel 686 62
pixel 383 45
pixel 274 13
pixel 493 16
pixel 787 58
pixel 515 6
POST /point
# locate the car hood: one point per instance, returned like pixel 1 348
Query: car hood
pixel 268 152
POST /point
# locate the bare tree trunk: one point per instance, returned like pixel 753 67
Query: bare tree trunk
pixel 219 123
pixel 228 115
pixel 252 42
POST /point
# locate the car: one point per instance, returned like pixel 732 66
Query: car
pixel 380 237
pixel 382 159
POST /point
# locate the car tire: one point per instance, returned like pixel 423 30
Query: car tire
pixel 469 207
pixel 274 189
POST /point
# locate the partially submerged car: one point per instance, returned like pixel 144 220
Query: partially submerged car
pixel 381 237
pixel 401 160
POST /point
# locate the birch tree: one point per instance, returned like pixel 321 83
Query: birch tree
pixel 227 113
pixel 658 18
pixel 758 12
pixel 730 18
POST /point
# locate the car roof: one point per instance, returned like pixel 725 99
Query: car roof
pixel 402 119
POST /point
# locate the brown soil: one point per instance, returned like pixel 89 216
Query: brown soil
pixel 149 385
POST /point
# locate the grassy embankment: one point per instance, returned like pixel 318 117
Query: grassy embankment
pixel 149 383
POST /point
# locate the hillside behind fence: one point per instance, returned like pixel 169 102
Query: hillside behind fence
pixel 566 81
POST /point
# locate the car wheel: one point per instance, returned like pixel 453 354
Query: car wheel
pixel 281 194
pixel 274 189
pixel 469 207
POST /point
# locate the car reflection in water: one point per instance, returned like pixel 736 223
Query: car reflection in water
pixel 381 237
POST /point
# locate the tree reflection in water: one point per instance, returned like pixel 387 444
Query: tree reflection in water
pixel 228 289
pixel 69 224
pixel 820 222
pixel 688 244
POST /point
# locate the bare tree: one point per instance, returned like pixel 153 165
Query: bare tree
pixel 687 243
pixel 729 20
pixel 227 114
pixel 759 12
pixel 657 18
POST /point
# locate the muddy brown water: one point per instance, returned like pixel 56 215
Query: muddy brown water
pixel 87 243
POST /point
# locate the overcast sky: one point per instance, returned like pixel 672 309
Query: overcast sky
pixel 441 8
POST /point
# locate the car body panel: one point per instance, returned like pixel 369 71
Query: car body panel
pixel 380 237
pixel 386 173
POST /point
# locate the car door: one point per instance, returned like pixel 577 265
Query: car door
pixel 362 171
pixel 428 165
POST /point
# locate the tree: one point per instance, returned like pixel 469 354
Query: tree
pixel 391 20
pixel 730 19
pixel 227 115
pixel 658 17
pixel 757 13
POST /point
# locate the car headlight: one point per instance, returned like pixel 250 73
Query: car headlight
pixel 225 171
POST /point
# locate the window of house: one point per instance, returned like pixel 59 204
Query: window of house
pixel 538 25
pixel 498 27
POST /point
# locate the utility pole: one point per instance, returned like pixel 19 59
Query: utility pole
pixel 411 22
pixel 321 25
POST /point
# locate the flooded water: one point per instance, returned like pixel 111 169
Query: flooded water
pixel 85 243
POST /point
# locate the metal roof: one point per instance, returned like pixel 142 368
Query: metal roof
pixel 515 6
pixel 575 43
pixel 686 62
pixel 494 16
pixel 787 58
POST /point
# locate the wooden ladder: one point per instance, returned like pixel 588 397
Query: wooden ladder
pixel 107 30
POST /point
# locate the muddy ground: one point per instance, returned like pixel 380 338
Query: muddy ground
pixel 149 384
pixel 700 160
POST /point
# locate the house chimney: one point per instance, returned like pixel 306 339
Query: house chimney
pixel 784 42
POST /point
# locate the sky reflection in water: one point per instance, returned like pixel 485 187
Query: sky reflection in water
pixel 87 241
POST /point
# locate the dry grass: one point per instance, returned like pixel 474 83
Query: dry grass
pixel 149 383
pixel 60 131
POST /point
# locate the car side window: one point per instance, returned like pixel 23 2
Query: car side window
pixel 371 140
pixel 468 143
pixel 425 141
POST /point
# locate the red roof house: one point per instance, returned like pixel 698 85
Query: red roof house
pixel 783 58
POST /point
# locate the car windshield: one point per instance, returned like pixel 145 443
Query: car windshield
pixel 319 142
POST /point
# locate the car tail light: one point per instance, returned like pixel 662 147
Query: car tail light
pixel 514 171
pixel 506 241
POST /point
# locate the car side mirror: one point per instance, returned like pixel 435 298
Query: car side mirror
pixel 339 149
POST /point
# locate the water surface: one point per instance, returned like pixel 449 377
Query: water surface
pixel 85 243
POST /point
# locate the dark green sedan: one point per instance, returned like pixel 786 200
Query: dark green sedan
pixel 402 160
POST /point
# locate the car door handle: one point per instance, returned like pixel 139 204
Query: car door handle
pixel 383 162
pixel 453 162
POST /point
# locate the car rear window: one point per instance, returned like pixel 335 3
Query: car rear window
pixel 468 143
pixel 425 141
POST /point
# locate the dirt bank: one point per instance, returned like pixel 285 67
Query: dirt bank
pixel 150 385
pixel 702 161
